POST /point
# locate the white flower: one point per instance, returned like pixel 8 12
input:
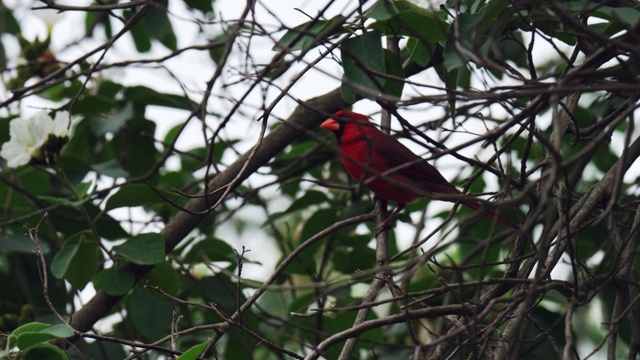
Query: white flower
pixel 29 138
pixel 49 16
pixel 63 125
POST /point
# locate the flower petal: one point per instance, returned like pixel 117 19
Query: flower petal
pixel 15 153
pixel 30 137
pixel 64 124
pixel 61 124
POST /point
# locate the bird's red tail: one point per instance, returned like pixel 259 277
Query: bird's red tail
pixel 476 206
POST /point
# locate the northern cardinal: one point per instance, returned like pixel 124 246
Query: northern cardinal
pixel 387 167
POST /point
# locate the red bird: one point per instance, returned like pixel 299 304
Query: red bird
pixel 387 167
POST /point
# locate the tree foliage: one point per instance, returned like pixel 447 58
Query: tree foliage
pixel 197 195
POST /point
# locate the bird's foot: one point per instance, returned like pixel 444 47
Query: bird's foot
pixel 384 226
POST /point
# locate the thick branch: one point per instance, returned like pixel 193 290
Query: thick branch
pixel 306 116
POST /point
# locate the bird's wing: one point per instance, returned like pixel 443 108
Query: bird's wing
pixel 420 172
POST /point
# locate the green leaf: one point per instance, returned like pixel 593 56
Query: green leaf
pixel 557 31
pixel 29 327
pixel 361 57
pixel 451 83
pixel 174 180
pixel 310 198
pixel 138 32
pixel 143 249
pixel 14 243
pixel 142 95
pixel 41 334
pixel 71 221
pixel 100 350
pixel 276 302
pixel 110 168
pixel 492 16
pixel 351 260
pixel 92 19
pixel 221 291
pixel 220 41
pixel 509 49
pixel 91 105
pixel 319 221
pixel 194 352
pixel 155 24
pixel 4 129
pixel 382 10
pixel 135 146
pixel 304 35
pixel 80 148
pixel 60 331
pixel 117 280
pixel 134 195
pixel 393 68
pixel 111 124
pixel 78 260
pixel 299 149
pixel 44 351
pixel 109 89
pixel 305 264
pixel 64 90
pixel 9 24
pixel 604 158
pixel 414 21
pixel 150 316
pixel 158 26
pixel 206 6
pixel 452 58
pixel 63 201
pixel 164 276
pixel 348 94
pixel 419 52
pixel 625 15
pixel 173 133
pixel 195 159
pixel 81 189
pixel 62 260
pixel 84 264
pixel 211 249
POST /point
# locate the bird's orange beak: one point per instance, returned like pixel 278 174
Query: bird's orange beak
pixel 331 125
